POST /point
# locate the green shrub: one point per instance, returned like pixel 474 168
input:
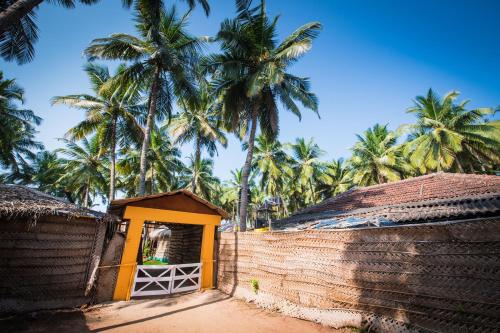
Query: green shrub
pixel 255 285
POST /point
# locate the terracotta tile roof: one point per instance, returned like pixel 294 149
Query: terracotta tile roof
pixel 424 188
pixel 413 212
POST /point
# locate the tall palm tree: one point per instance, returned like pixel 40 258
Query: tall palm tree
pixel 17 127
pixel 19 31
pixel 198 122
pixel 376 158
pixel 84 169
pixel 447 136
pixel 200 173
pixel 110 112
pixel 251 75
pixel 335 178
pixel 271 160
pixel 163 170
pixel 164 58
pixel 306 168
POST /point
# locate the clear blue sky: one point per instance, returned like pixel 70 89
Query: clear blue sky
pixel 370 60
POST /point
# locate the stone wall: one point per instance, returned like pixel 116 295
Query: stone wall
pixel 441 277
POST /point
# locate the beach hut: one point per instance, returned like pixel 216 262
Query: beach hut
pixel 49 250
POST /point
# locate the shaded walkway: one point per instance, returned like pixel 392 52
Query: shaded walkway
pixel 208 312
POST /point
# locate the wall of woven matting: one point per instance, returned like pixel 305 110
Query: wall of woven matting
pixel 185 243
pixel 50 264
pixel 439 277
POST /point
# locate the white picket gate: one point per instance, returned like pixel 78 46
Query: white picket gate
pixel 166 279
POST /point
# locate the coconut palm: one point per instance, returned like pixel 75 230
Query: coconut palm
pixel 18 28
pixel 85 169
pixel 11 94
pixel 272 162
pixel 449 137
pixel 306 168
pixel 200 173
pixel 198 122
pixel 164 58
pixel 110 112
pixel 17 131
pixel 251 76
pixel 334 179
pixel 164 166
pixel 19 31
pixel 376 158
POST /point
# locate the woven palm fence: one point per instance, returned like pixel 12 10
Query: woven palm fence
pixel 50 264
pixel 442 277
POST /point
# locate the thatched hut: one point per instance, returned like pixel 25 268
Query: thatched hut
pixel 161 241
pixel 49 250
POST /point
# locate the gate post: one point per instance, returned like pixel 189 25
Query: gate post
pixel 129 260
pixel 207 257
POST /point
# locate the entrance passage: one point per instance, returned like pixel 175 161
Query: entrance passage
pixel 193 222
pixel 166 279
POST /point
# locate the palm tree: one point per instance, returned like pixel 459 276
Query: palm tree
pixel 11 94
pixel 164 58
pixel 19 31
pixel 250 76
pixel 198 122
pixel 85 169
pixel 110 112
pixel 271 160
pixel 335 178
pixel 376 158
pixel 17 131
pixel 449 137
pixel 200 173
pixel 306 168
pixel 163 171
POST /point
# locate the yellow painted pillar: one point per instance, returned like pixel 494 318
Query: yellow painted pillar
pixel 207 257
pixel 129 260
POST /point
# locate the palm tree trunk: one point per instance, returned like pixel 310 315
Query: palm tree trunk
pixel 87 195
pixel 15 12
pixel 112 177
pixel 197 158
pixel 152 177
pixel 313 194
pixel 245 173
pixel 147 133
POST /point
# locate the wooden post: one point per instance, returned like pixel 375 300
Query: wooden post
pixel 207 257
pixel 129 261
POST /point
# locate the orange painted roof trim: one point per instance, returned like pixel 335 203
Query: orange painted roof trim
pixel 123 202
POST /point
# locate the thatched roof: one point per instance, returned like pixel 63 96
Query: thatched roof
pixel 161 233
pixel 17 201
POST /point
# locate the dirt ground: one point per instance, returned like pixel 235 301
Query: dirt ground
pixel 204 312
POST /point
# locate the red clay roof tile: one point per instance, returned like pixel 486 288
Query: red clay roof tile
pixel 430 187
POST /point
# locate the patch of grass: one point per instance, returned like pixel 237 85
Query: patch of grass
pixel 154 262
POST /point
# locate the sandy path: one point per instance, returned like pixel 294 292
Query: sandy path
pixel 208 312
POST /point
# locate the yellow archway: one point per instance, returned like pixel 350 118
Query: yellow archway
pixel 168 208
